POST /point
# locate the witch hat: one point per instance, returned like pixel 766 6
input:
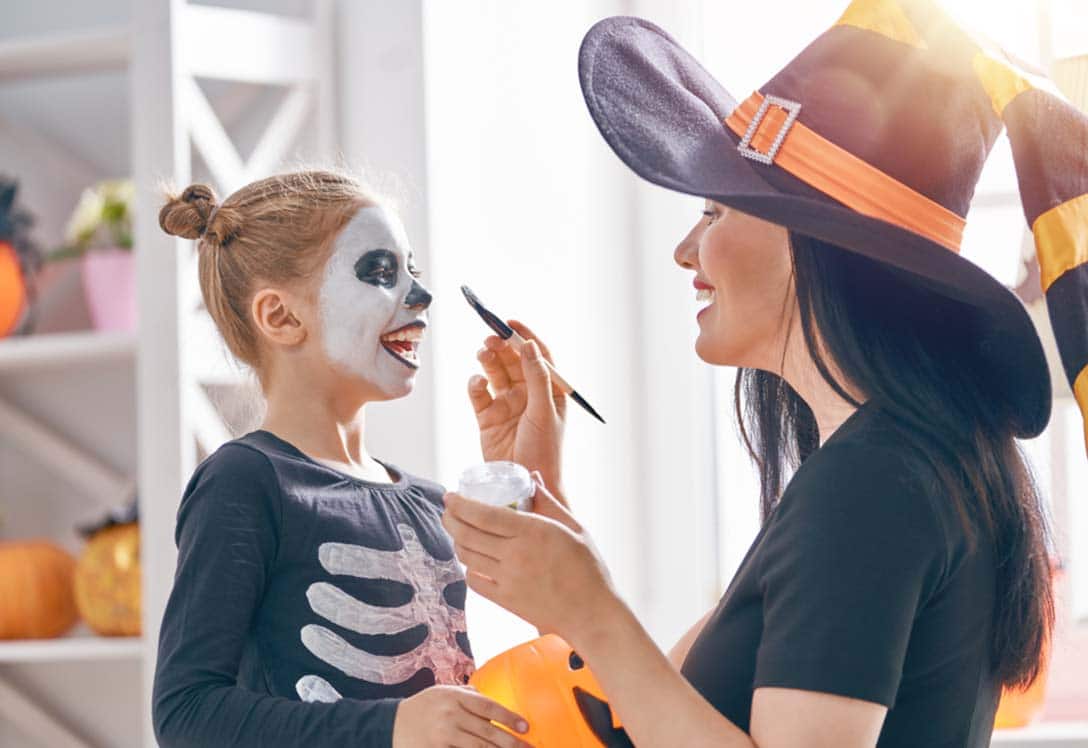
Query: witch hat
pixel 872 139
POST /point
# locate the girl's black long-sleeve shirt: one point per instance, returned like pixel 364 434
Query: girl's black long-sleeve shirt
pixel 306 603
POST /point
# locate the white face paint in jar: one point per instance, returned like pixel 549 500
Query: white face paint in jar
pixel 498 483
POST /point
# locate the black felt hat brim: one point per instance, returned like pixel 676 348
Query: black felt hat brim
pixel 663 114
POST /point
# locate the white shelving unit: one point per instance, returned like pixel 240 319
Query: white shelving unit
pixel 65 53
pixel 1047 735
pixel 65 349
pixel 75 648
pixel 190 69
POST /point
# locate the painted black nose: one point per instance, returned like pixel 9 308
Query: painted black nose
pixel 418 296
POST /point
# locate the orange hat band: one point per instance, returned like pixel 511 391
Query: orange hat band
pixel 770 133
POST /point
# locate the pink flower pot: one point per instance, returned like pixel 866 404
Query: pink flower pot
pixel 109 282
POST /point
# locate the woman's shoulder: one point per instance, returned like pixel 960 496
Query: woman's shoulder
pixel 873 448
pixel 876 476
pixel 850 473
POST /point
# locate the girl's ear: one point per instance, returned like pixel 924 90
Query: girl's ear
pixel 274 318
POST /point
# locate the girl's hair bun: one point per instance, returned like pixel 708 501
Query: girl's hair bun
pixel 186 215
pixel 279 229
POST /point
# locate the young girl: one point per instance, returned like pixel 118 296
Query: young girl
pixel 317 599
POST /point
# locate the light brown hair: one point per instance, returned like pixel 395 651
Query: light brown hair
pixel 275 230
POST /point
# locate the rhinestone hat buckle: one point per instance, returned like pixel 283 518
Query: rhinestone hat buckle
pixel 792 108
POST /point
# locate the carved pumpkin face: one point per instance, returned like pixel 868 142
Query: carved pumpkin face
pixel 546 682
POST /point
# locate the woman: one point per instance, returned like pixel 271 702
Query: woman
pixel 900 577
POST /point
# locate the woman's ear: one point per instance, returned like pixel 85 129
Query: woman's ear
pixel 275 319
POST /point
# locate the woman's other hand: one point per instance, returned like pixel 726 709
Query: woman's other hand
pixel 540 566
pixel 457 717
pixel 521 417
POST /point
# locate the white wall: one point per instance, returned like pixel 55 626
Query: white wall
pixel 528 210
pixel 520 198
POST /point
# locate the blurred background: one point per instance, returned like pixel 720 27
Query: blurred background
pixel 114 384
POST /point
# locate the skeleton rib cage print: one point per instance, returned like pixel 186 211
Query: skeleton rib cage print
pixel 412 565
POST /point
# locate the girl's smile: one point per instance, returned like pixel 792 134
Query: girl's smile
pixel 403 343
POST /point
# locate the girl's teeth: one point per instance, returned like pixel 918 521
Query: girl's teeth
pixel 404 350
pixel 411 335
pixel 704 294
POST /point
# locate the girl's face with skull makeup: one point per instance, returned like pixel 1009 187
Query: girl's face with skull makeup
pixel 372 307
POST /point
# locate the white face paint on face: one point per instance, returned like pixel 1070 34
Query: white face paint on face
pixel 373 310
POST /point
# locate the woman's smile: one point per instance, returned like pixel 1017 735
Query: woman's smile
pixel 704 292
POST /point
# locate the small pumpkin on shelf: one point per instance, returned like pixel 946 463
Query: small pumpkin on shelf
pixel 107 577
pixel 36 579
pixel 20 259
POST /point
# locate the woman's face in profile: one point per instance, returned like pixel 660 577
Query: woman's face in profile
pixel 743 270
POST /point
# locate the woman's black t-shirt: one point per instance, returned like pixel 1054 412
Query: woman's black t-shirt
pixel 864 583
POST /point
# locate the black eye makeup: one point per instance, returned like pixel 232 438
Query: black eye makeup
pixel 378 267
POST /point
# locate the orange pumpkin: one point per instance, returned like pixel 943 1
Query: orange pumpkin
pixel 107 581
pixel 1019 708
pixel 36 587
pixel 13 296
pixel 546 682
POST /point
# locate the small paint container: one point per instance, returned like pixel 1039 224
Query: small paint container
pixel 498 483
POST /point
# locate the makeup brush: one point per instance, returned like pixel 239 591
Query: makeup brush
pixel 506 332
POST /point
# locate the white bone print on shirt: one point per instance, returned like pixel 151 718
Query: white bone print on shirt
pixel 411 565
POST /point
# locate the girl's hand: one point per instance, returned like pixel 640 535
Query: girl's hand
pixel 541 566
pixel 457 717
pixel 521 419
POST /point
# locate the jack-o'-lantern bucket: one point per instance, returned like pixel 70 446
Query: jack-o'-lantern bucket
pixel 547 683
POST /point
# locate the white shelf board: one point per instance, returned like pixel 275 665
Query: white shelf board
pixel 71 649
pixel 81 51
pixel 61 349
pixel 1043 735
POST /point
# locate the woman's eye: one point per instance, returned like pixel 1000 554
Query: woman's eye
pixel 710 215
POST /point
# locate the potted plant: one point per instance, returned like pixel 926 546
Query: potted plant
pixel 100 231
pixel 20 259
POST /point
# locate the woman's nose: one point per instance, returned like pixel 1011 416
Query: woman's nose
pixel 686 254
pixel 418 296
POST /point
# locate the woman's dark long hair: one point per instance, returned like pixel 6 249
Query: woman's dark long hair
pixel 905 345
